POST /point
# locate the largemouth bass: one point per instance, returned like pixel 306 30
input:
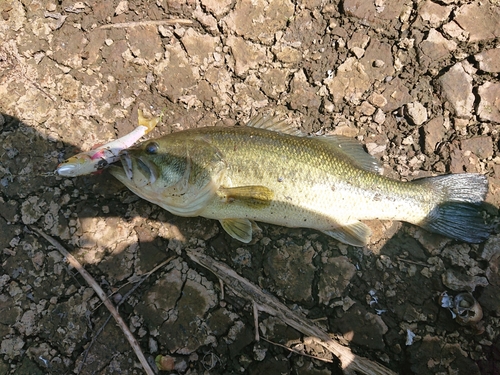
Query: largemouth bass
pixel 268 172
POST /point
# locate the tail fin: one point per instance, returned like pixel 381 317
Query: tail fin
pixel 459 214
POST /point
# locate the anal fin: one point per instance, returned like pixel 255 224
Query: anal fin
pixel 355 234
pixel 240 229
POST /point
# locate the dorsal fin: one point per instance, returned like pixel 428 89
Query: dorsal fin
pixel 352 150
pixel 274 124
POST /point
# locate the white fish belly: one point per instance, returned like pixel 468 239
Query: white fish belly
pixel 321 207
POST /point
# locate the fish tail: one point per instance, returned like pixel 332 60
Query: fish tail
pixel 458 214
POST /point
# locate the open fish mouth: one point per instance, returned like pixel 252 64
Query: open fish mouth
pixel 145 171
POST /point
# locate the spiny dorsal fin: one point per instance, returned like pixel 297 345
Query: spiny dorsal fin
pixel 352 150
pixel 274 124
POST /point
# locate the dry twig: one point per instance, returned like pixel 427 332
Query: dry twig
pixel 243 288
pixel 125 25
pixel 90 280
pixel 122 300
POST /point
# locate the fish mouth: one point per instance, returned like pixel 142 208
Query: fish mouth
pixel 127 164
pixel 138 169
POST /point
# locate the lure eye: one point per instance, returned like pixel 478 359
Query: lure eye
pixel 152 148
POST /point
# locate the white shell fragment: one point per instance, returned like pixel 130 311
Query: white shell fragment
pixel 464 308
pixel 409 337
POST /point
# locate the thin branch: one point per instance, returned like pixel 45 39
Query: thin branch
pixel 90 280
pixel 124 298
pixel 125 25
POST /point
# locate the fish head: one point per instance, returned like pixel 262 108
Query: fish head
pixel 177 172
pixel 161 171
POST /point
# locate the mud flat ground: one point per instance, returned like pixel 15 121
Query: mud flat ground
pixel 417 82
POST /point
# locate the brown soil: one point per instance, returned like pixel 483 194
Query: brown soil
pixel 416 82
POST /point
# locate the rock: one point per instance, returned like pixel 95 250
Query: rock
pixel 489 300
pixel 247 55
pixel 350 82
pixel 335 277
pixel 481 146
pixel 32 210
pixel 434 132
pixel 366 109
pixel 179 331
pixel 175 74
pixel 491 248
pixel 71 323
pixel 489 297
pixel 259 20
pixel 274 82
pixel 454 31
pixel 434 48
pixel 416 112
pixel 208 21
pixel 462 161
pixel 357 43
pixel 12 347
pixel 121 8
pixel 458 254
pixel 396 94
pixel 468 16
pixel 489 103
pixel 200 47
pixel 68 54
pixel 459 282
pixel 379 116
pixel 456 86
pixel 287 54
pixel 377 100
pixel 378 60
pixel 371 12
pixel 430 357
pixel 291 270
pixel 145 42
pixel 493 196
pixel 302 94
pixel 28 323
pixel 358 39
pixel 363 328
pixel 217 7
pixel 489 60
pixel 434 13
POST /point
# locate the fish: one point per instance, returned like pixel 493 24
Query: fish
pixel 269 172
pixel 97 159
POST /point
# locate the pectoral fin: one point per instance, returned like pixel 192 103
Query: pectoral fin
pixel 355 234
pixel 250 196
pixel 240 229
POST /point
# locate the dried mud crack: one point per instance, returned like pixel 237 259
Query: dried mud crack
pixel 416 82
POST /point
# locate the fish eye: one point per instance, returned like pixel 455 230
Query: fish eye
pixel 152 148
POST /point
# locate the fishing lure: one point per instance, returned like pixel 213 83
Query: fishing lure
pixel 99 158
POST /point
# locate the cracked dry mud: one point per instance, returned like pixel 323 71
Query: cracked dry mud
pixel 417 82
